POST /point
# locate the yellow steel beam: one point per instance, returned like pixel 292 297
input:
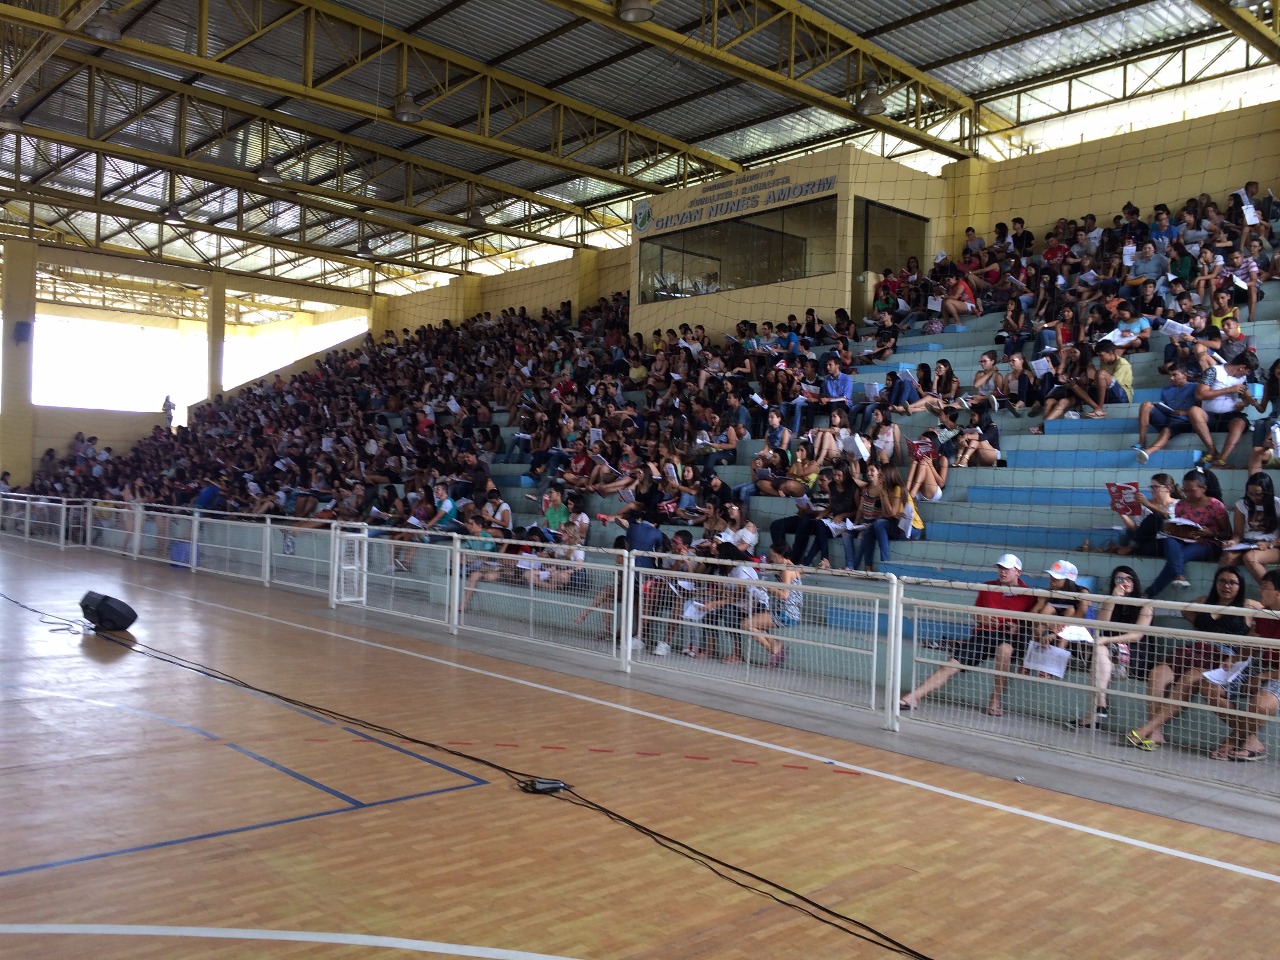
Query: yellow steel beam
pixel 586 117
pixel 807 44
pixel 1244 24
pixel 427 168
pixel 451 68
pixel 313 197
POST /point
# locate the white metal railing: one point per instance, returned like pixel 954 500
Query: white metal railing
pixel 862 640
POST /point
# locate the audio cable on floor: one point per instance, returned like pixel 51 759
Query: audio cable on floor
pixel 529 783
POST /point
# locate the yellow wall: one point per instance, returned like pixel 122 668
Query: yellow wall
pixel 119 430
pixel 582 278
pixel 1160 165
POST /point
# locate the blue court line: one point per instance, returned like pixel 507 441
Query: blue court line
pixel 112 706
pixel 295 774
pixel 159 845
pixel 416 756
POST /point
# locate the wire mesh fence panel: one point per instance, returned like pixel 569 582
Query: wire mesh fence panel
pixel 408 577
pixel 300 556
pixel 76 523
pixel 230 547
pixel 46 520
pixel 353 565
pixel 167 537
pixel 764 626
pixel 13 516
pixel 111 527
pixel 561 594
pixel 1180 690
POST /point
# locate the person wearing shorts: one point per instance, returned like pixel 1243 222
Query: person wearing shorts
pixel 993 637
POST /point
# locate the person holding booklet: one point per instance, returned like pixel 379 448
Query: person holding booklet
pixel 1195 532
pixel 1137 617
pixel 1223 393
pixel 1255 538
pixel 927 477
pixel 1190 670
pixel 1141 534
pixel 1266 438
pixel 884 513
pixel 1260 693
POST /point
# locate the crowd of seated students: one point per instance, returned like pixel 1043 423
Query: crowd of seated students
pixel 400 432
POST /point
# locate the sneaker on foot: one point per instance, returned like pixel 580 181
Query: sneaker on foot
pixel 1143 456
pixel 1182 583
pixel 661 649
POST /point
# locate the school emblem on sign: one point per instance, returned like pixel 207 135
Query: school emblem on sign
pixel 641 216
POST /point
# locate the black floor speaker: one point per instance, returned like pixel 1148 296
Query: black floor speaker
pixel 107 613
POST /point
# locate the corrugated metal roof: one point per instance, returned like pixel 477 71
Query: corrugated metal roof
pixel 972 45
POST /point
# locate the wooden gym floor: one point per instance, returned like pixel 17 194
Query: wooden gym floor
pixel 150 811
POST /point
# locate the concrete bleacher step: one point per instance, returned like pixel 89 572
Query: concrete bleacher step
pixel 1173 461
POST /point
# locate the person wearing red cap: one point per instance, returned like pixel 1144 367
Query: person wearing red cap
pixel 993 637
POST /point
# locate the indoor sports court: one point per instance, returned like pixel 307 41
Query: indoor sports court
pixel 252 777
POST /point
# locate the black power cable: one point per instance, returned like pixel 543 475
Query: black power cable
pixel 529 783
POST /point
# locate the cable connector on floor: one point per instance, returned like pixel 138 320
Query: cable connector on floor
pixel 541 785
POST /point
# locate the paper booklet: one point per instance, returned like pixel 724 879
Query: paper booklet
pixel 872 390
pixel 935 304
pixel 1130 253
pixel 1228 673
pixel 921 449
pixel 1172 328
pixel 857 445
pixel 599 459
pixel 1089 278
pixel 830 330
pixel 1041 367
pixel 1239 547
pixel 840 526
pixel 1124 498
pixel 1040 658
pixel 803 502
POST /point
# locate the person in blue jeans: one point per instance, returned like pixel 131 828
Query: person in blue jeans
pixel 881 507
pixel 1195 532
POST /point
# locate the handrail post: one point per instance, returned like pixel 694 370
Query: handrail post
pixel 627 613
pixel 454 593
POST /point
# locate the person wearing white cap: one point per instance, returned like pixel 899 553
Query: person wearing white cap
pixel 1071 600
pixel 992 637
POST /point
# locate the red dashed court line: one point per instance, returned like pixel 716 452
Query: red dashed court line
pixel 687 757
pixel 793 766
pixel 848 773
pixel 753 762
pixel 547 747
pixel 598 750
pixel 458 743
pixel 317 739
pixel 642 753
pixel 506 744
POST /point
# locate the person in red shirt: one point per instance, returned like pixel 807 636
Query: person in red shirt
pixel 1055 253
pixel 993 636
pixel 958 301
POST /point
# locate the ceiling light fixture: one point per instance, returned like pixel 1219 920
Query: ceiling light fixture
pixel 364 251
pixel 406 110
pixel 635 11
pixel 269 173
pixel 476 219
pixel 10 119
pixel 870 103
pixel 173 216
pixel 103 26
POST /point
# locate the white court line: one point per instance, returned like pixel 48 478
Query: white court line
pixel 791 751
pixel 290 936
